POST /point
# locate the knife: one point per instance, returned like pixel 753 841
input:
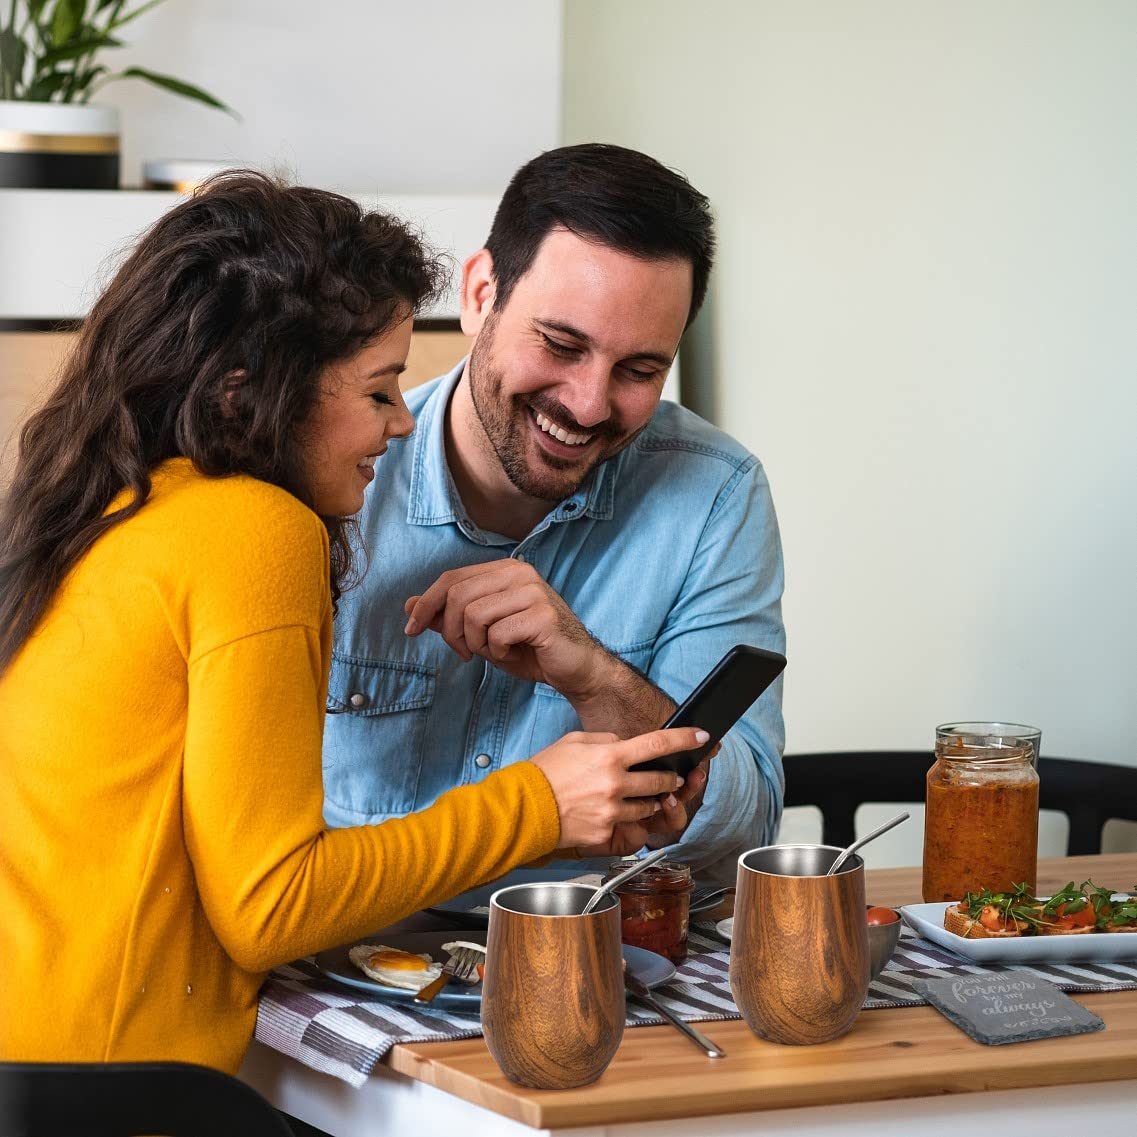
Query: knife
pixel 640 990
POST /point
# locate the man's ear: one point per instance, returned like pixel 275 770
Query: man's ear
pixel 478 291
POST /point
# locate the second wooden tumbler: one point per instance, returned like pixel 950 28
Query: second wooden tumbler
pixel 799 963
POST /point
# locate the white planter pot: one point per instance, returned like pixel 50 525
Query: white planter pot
pixel 58 146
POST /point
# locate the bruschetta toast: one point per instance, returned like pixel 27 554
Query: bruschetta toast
pixel 1072 911
pixel 992 915
pixel 1112 915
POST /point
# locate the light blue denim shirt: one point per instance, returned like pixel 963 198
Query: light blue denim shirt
pixel 669 554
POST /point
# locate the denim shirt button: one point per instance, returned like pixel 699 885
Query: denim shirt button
pixel 482 761
pixel 358 699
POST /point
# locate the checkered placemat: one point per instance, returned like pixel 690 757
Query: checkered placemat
pixel 345 1032
pixel 917 958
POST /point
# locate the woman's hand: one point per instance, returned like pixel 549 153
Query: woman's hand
pixel 597 791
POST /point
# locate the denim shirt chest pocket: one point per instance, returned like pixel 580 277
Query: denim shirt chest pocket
pixel 375 733
pixel 553 714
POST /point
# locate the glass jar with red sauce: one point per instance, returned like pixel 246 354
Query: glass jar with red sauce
pixel 981 820
pixel 654 907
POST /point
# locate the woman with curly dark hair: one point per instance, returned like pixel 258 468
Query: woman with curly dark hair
pixel 171 550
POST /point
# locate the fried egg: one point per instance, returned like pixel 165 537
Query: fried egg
pixel 395 968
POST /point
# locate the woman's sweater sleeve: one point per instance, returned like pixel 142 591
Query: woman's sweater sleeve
pixel 275 884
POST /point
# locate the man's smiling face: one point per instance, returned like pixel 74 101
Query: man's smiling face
pixel 571 369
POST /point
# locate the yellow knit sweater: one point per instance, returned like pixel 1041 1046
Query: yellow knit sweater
pixel 161 838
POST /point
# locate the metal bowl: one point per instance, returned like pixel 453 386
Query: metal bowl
pixel 883 939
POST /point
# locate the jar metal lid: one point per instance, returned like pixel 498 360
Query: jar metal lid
pixel 670 876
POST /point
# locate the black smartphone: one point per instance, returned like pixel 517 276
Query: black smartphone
pixel 719 701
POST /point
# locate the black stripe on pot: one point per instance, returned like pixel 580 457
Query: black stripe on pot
pixel 31 170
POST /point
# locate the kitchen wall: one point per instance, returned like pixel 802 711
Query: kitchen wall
pixel 358 95
pixel 923 323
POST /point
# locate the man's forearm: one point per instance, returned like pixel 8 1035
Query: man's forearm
pixel 622 700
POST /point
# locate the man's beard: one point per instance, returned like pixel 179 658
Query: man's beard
pixel 505 423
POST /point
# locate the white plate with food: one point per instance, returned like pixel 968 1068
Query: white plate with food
pixel 928 921
pixel 416 958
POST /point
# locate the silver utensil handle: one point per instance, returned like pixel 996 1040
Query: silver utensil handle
pixel 702 897
pixel 426 995
pixel 845 854
pixel 608 886
pixel 697 1037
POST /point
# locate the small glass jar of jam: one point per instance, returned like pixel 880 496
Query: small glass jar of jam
pixel 654 907
pixel 981 820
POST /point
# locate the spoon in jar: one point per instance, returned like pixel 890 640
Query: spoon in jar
pixel 844 854
pixel 638 867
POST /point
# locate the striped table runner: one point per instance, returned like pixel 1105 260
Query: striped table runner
pixel 345 1033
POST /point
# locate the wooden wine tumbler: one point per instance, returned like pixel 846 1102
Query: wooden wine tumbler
pixel 799 959
pixel 553 992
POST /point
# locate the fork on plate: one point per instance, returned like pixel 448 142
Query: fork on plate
pixel 461 965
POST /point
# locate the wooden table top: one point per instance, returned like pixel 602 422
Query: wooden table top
pixel 889 1053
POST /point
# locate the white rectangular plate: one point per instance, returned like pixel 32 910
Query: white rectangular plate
pixel 928 921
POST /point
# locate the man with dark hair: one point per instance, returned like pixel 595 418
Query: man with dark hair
pixel 568 551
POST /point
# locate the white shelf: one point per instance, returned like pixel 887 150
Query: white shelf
pixel 59 247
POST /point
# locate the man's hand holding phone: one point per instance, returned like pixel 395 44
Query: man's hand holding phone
pixel 667 826
pixel 719 701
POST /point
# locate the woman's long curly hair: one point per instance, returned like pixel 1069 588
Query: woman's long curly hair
pixel 209 343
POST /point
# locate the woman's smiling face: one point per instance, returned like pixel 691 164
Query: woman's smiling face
pixel 359 409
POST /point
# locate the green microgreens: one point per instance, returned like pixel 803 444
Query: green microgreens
pixel 1113 912
pixel 1019 904
pixel 1016 905
pixel 1070 896
pixel 1101 899
pixel 1124 912
pixel 1107 910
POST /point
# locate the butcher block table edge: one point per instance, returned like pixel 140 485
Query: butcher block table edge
pixel 890 1053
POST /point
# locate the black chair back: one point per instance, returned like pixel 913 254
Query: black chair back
pixel 130 1099
pixel 838 782
pixel 1090 794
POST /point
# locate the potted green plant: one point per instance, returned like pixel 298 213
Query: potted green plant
pixel 52 60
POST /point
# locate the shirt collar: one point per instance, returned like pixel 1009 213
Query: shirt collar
pixel 433 498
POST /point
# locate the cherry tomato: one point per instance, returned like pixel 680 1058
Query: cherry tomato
pixel 877 915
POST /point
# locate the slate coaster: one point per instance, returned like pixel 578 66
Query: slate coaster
pixel 1010 1006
